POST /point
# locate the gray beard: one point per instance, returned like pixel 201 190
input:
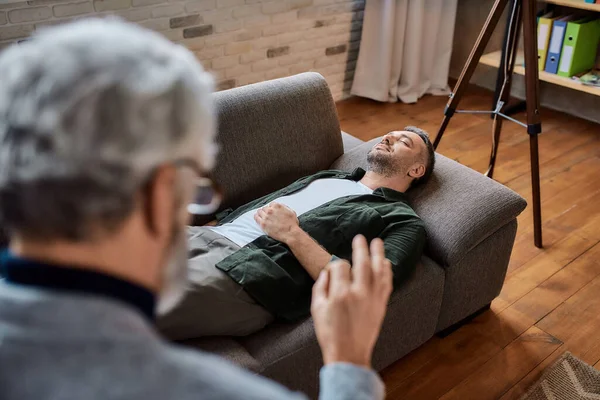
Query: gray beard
pixel 383 164
pixel 175 275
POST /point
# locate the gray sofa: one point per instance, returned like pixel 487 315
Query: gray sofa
pixel 274 132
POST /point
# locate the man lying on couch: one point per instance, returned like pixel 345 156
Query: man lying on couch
pixel 260 262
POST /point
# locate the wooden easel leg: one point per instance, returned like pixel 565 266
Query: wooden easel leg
pixel 505 49
pixel 535 191
pixel 534 125
pixel 507 66
pixel 469 69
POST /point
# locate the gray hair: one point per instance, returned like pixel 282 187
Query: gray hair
pixel 88 110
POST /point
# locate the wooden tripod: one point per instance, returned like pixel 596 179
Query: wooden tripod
pixel 522 12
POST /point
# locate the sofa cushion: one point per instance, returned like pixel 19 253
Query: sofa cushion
pixel 460 206
pixel 227 348
pixel 272 133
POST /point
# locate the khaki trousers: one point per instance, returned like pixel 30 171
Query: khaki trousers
pixel 214 304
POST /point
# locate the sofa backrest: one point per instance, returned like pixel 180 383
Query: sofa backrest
pixel 272 133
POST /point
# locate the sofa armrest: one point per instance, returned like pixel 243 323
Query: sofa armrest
pixel 460 207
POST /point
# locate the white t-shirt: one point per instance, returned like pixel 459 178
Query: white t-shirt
pixel 244 229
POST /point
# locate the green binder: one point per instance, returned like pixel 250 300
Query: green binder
pixel 579 47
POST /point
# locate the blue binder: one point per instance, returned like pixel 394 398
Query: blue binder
pixel 556 43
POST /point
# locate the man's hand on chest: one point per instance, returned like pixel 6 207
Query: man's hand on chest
pixel 277 221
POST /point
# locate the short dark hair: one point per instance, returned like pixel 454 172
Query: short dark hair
pixel 430 162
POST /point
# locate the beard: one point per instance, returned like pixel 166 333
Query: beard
pixel 175 274
pixel 386 164
pixel 174 279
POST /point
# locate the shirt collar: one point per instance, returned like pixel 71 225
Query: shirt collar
pixel 357 174
pixel 20 271
pixel 386 193
pixel 391 194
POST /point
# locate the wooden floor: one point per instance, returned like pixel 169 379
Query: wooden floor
pixel 550 302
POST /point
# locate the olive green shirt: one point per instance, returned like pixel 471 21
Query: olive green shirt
pixel 271 274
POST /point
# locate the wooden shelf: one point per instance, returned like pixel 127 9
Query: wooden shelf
pixel 575 4
pixel 493 60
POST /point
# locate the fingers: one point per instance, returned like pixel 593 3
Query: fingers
pixel 263 213
pixel 266 210
pixel 388 278
pixel 382 268
pixel 320 293
pixel 259 216
pixel 321 286
pixel 384 278
pixel 371 272
pixel 279 209
pixel 377 255
pixel 339 278
pixel 362 272
pixel 360 250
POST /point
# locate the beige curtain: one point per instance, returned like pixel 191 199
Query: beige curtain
pixel 405 49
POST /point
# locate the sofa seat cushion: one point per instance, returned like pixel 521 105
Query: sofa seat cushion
pixel 460 206
pixel 227 348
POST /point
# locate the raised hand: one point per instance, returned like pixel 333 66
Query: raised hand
pixel 349 304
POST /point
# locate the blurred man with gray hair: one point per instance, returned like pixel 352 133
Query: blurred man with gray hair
pixel 106 131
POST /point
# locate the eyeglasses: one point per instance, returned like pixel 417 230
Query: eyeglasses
pixel 208 196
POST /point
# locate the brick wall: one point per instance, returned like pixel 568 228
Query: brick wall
pixel 240 41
